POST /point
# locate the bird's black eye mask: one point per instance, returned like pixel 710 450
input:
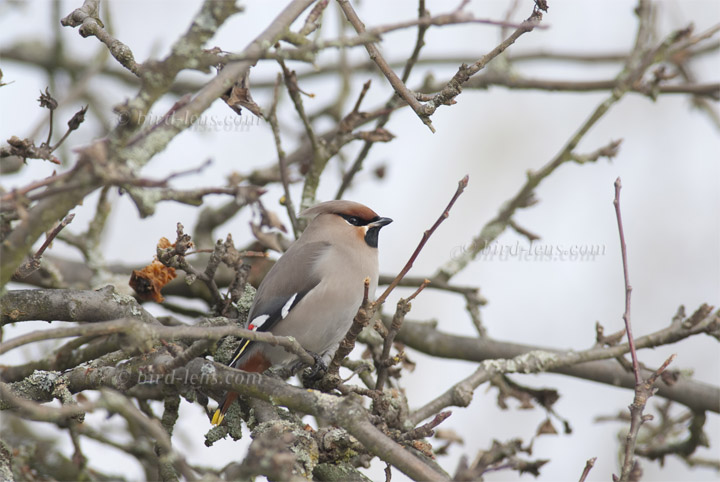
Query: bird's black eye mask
pixel 371 236
pixel 356 221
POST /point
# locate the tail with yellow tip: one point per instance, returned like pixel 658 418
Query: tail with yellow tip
pixel 219 414
pixel 218 417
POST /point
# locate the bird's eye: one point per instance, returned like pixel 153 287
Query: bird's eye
pixel 354 220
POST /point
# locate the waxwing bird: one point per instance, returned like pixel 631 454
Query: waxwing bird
pixel 314 290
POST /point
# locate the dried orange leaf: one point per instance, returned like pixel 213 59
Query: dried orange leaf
pixel 148 281
pixel 164 243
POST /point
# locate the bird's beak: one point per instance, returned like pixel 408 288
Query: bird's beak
pixel 379 223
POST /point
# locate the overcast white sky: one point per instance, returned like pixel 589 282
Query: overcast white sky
pixel 668 163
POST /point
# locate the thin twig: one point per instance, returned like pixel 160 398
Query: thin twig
pixel 643 392
pixel 384 67
pixel 273 120
pixel 50 129
pixel 513 80
pixel 425 430
pixel 314 18
pixel 361 320
pixel 531 359
pixel 16 194
pixel 74 122
pixel 390 104
pixel 133 327
pixel 525 197
pixel 643 388
pixel 588 466
pixel 320 155
pixel 384 363
pixel 87 18
pixel 462 184
pixel 636 65
pixel 33 263
pixel 116 402
pixel 454 86
pixel 628 287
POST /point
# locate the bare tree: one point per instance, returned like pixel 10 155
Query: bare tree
pixel 140 361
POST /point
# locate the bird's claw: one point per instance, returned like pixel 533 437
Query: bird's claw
pixel 318 370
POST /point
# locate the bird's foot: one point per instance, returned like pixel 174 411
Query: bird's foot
pixel 319 369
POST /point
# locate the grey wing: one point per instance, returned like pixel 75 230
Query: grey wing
pixel 291 278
